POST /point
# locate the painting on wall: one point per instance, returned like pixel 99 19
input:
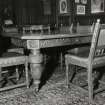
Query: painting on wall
pixel 63 6
pixel 84 1
pixel 97 6
pixel 80 10
pixel 76 1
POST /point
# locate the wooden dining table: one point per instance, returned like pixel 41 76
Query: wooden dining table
pixel 36 42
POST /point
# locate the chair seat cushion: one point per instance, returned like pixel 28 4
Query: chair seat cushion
pixel 78 56
pixel 80 52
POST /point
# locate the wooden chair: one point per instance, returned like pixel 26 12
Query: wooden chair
pixel 84 28
pixel 94 57
pixel 12 59
pixel 79 29
pixel 69 30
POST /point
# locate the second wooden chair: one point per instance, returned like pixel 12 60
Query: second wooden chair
pixel 94 57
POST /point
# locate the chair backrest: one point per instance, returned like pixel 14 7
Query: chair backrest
pixel 84 28
pixel 98 41
pixel 66 29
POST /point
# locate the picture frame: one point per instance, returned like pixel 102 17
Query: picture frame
pixel 80 9
pixel 76 1
pixel 97 6
pixel 63 9
pixel 84 1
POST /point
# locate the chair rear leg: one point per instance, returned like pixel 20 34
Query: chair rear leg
pixel 17 73
pixel 73 70
pixel 61 61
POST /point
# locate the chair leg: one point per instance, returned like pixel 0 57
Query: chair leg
pixel 61 60
pixel 44 59
pixel 72 70
pixel 67 75
pixel 26 74
pixel 0 73
pixel 17 74
pixel 90 84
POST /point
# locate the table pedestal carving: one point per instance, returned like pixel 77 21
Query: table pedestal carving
pixel 36 61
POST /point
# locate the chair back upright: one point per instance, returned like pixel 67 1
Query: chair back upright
pixel 100 48
pixel 97 48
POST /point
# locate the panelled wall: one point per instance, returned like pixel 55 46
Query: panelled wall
pixel 35 11
pixel 28 12
pixel 32 11
pixel 54 12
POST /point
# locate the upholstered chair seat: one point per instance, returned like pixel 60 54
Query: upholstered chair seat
pixel 9 60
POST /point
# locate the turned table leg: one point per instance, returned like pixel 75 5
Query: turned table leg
pixel 36 60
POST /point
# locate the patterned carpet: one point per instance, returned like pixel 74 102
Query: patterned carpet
pixel 52 92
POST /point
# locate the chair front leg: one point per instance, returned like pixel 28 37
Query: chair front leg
pixel 67 74
pixel 70 71
pixel 90 84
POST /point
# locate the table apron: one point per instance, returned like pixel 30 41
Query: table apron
pixel 45 43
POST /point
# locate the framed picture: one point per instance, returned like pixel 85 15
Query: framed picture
pixel 97 6
pixel 63 6
pixel 80 10
pixel 76 1
pixel 84 1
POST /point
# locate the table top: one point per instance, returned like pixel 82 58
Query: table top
pixel 32 36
